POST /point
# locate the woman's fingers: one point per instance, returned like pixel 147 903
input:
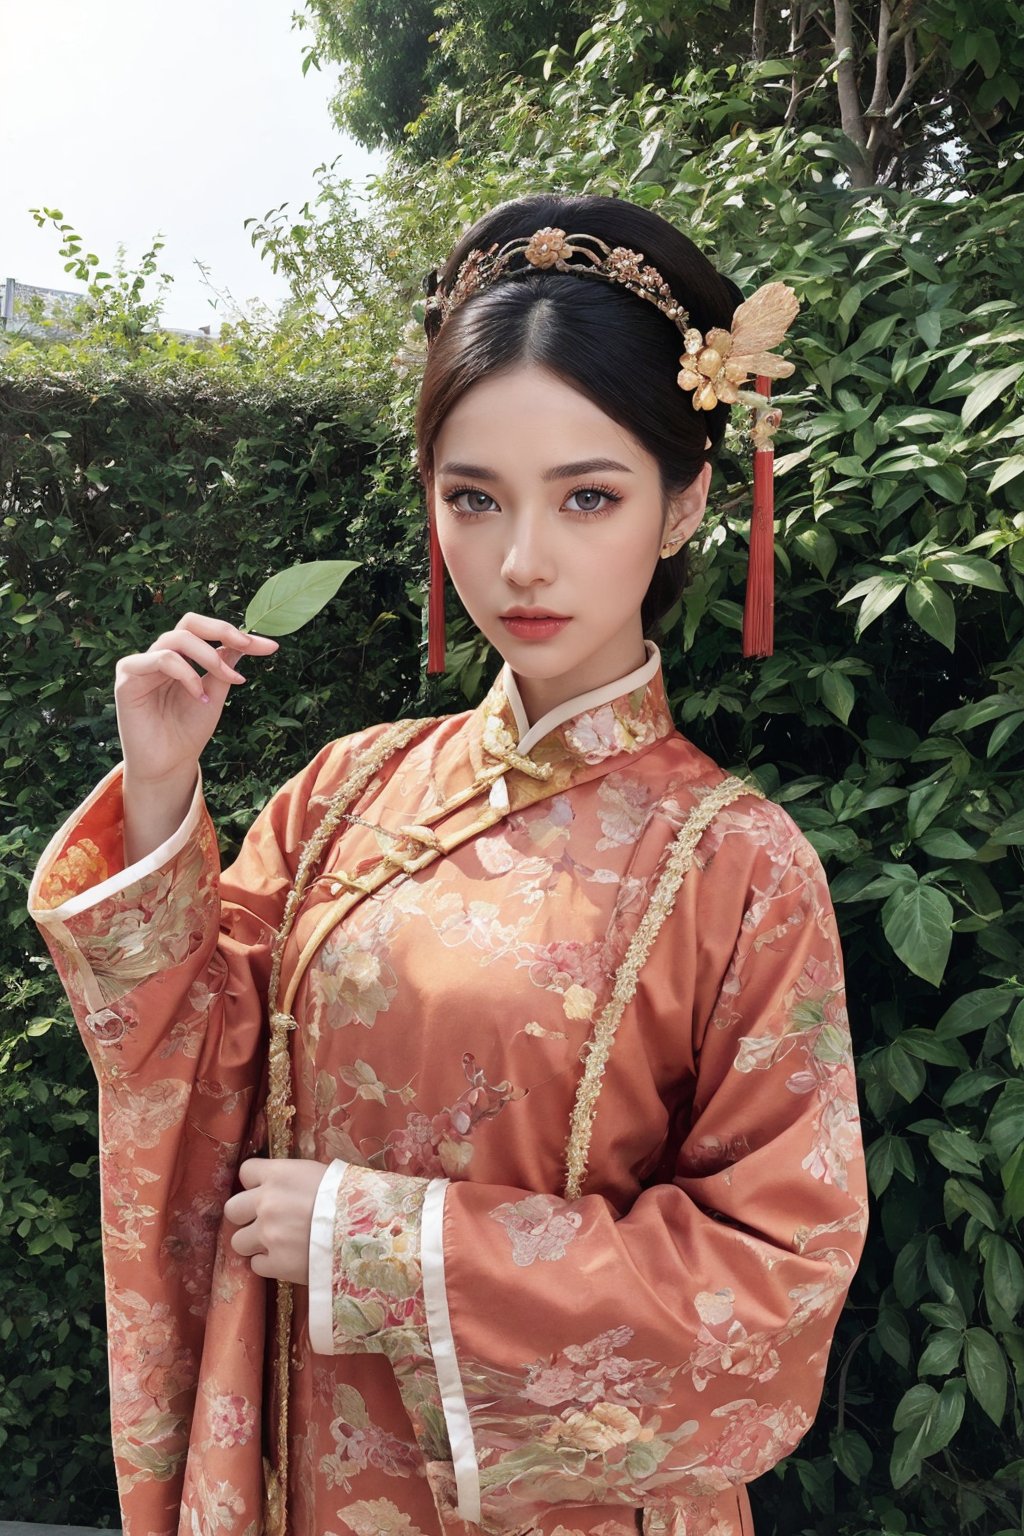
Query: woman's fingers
pixel 241 1208
pixel 229 635
pixel 217 662
pixel 246 1241
pixel 164 663
pixel 195 638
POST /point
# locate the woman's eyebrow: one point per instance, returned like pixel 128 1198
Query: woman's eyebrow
pixel 558 472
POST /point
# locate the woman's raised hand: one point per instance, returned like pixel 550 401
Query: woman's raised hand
pixel 169 700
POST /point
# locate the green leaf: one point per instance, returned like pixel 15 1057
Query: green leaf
pixel 817 545
pixel 838 693
pixel 1015 1036
pixel 917 921
pixel 1003 731
pixel 941 1353
pixel 965 570
pixel 290 599
pixel 1005 1129
pixel 944 843
pixel 893 1333
pixel 887 1155
pixel 924 804
pixel 889 738
pixel 929 327
pixel 944 1314
pixel 933 610
pixel 946 480
pixel 1008 470
pixel 1003 1275
pixel 977 713
pixel 956 1151
pixel 1011 832
pixel 964 1195
pixel 974 1010
pixel 988 389
pixel 926 1044
pixel 985 1368
pixel 901 1071
pixel 852 1454
pixel 1012 1174
pixel 874 335
pixel 926 1421
pixel 879 593
pixel 970 1087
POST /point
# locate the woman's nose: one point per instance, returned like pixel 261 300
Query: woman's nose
pixel 528 560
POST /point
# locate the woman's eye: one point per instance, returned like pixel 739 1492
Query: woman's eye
pixel 592 498
pixel 589 500
pixel 473 500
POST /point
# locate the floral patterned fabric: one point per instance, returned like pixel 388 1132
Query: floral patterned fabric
pixel 633 1357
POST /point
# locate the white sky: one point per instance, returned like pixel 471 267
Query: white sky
pixel 140 116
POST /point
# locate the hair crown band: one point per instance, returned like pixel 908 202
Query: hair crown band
pixel 712 367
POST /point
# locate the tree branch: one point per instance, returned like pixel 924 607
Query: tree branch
pixel 799 21
pixel 819 18
pixel 883 48
pixel 850 111
pixel 759 31
pixel 912 71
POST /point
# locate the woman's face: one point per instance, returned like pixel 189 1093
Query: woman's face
pixel 546 506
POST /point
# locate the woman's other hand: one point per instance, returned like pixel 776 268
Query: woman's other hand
pixel 169 700
pixel 273 1213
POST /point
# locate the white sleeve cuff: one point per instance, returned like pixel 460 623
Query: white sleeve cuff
pixel 321 1260
pixel 442 1347
pixel 167 850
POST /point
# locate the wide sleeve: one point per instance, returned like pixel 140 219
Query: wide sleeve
pixel 156 956
pixel 660 1356
pixel 166 963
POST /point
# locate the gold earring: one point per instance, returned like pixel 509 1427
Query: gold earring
pixel 669 547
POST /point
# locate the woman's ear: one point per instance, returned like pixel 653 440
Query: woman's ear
pixel 687 507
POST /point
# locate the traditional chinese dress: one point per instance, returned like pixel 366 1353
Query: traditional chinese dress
pixel 477 1347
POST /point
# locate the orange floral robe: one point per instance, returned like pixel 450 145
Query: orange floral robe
pixel 478 1350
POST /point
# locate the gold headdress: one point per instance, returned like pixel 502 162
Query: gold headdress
pixel 713 368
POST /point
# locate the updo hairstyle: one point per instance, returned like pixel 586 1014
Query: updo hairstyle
pixel 612 346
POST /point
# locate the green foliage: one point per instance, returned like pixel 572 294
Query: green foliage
pixel 906 90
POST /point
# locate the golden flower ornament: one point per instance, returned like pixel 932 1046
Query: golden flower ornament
pixel 714 366
pixel 546 247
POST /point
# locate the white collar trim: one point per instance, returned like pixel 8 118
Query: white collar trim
pixel 529 735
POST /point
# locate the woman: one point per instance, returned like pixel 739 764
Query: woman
pixel 522 1041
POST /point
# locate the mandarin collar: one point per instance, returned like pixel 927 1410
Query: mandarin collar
pixel 621 717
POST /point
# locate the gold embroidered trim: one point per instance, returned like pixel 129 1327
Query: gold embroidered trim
pixel 598 1047
pixel 279 1107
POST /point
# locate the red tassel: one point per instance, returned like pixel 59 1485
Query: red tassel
pixel 758 610
pixel 435 605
